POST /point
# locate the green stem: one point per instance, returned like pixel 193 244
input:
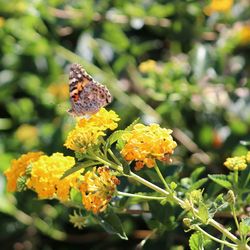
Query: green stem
pixel 215 239
pixel 114 157
pixel 105 161
pixel 140 196
pixel 223 230
pixel 211 222
pixel 236 177
pixel 236 220
pixel 161 177
pixel 154 187
pixel 247 179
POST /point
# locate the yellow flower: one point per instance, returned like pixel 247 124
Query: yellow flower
pixel 145 144
pixel 2 22
pixel 147 66
pixel 218 6
pixel 103 119
pixel 236 163
pixel 46 173
pixel 18 168
pixel 78 220
pixel 244 34
pixel 27 134
pixel 248 157
pixel 88 131
pixel 97 188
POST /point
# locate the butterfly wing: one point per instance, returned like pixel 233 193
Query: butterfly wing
pixel 86 95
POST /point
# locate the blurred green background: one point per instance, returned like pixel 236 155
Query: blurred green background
pixel 183 64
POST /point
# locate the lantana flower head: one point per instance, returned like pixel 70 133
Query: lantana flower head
pixel 88 131
pixel 18 169
pixel 248 157
pixel 145 144
pixel 236 163
pixel 46 173
pixel 148 66
pixel 218 6
pixel 97 188
pixel 244 34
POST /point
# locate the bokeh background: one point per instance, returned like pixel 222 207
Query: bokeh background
pixel 183 64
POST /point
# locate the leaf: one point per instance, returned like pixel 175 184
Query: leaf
pixel 245 226
pixel 221 180
pixel 197 184
pixel 78 166
pixel 198 241
pixel 203 213
pixel 130 127
pixel 244 181
pixel 114 137
pixel 197 172
pixel 120 142
pixel 125 166
pixel 217 205
pixel 75 196
pixel 112 224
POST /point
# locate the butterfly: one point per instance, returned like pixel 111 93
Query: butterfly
pixel 87 96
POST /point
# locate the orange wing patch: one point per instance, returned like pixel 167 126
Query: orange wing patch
pixel 75 94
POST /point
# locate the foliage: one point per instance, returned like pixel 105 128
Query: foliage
pixel 181 64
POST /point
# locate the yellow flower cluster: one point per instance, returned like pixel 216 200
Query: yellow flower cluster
pixel 218 6
pixel 236 163
pixel 97 188
pixel 147 66
pixel 28 135
pixel 46 173
pixel 18 169
pixel 244 34
pixel 89 130
pixel 145 144
pixel 248 157
pixel 2 22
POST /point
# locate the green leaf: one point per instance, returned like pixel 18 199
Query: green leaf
pixel 245 226
pixel 203 212
pixel 75 196
pixel 197 172
pixel 197 184
pixel 120 142
pixel 112 224
pixel 78 166
pixel 198 241
pixel 217 205
pixel 114 137
pixel 221 180
pixel 130 127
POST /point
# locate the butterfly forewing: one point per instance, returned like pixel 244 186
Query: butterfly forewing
pixel 86 95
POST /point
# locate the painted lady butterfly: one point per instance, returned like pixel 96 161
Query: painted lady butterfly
pixel 86 95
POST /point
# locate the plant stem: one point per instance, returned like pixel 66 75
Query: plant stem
pixel 236 177
pixel 154 187
pixel 247 180
pixel 140 196
pixel 114 157
pixel 215 239
pixel 223 230
pixel 161 177
pixel 236 220
pixel 211 222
